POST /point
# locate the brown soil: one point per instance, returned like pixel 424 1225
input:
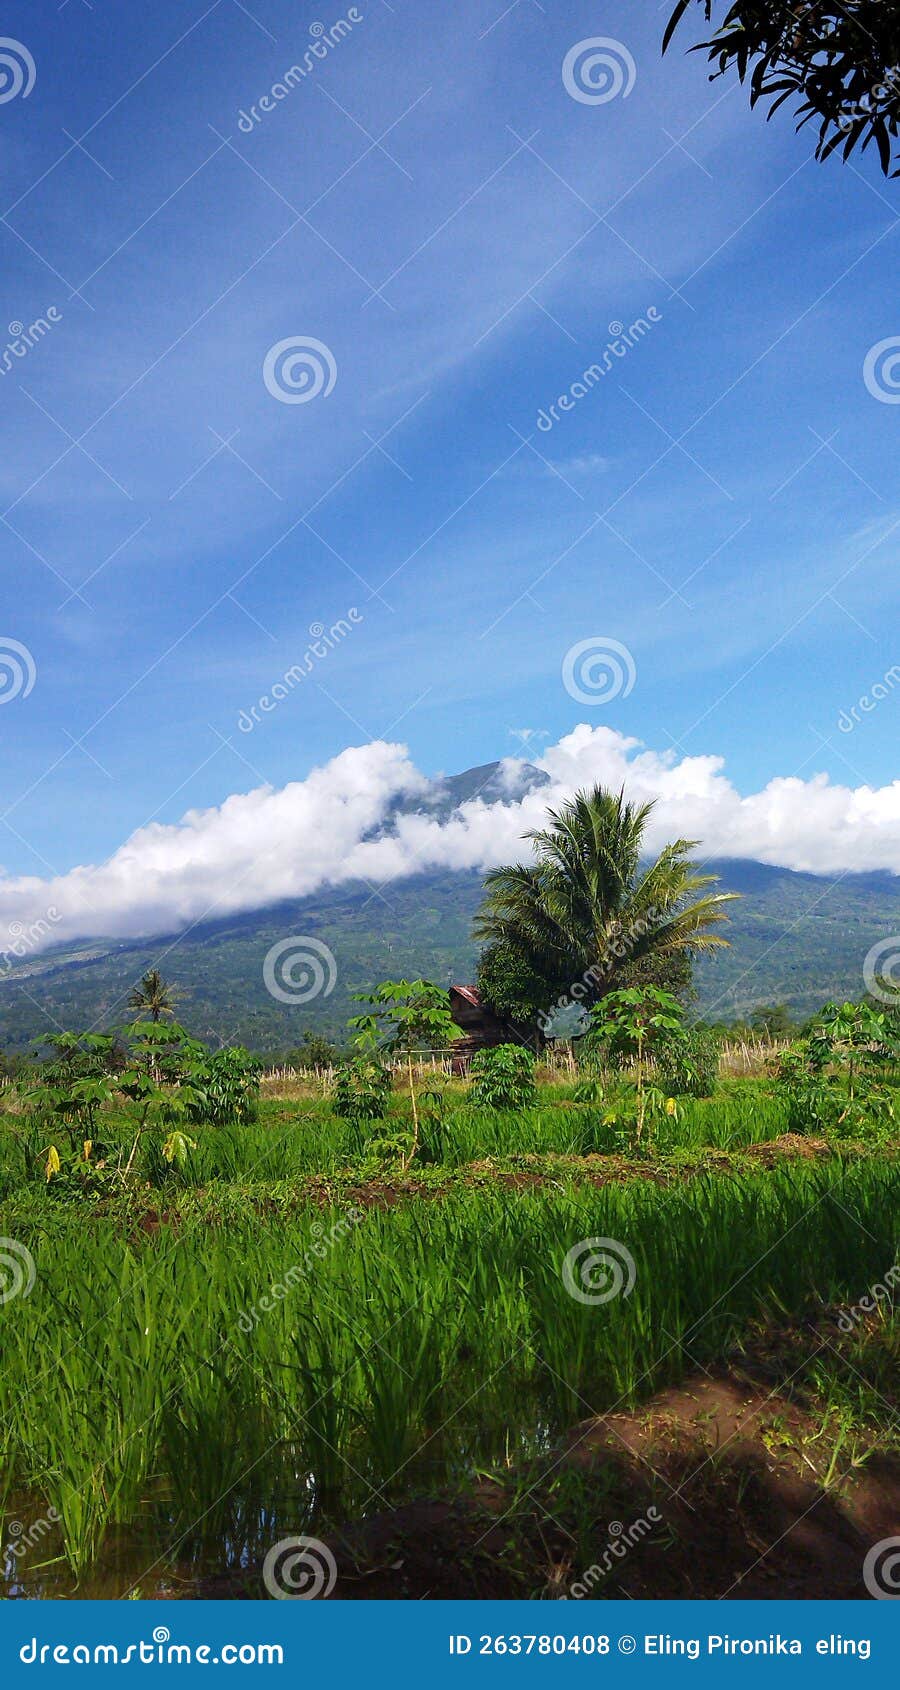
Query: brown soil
pixel 386 1190
pixel 733 1470
pixel 743 1514
pixel 597 1169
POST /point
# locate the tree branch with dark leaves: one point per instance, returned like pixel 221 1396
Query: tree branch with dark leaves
pixel 841 63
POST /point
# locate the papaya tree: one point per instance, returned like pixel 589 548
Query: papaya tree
pixel 405 1016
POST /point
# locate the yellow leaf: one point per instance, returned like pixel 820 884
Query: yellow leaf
pixel 670 1105
pixel 88 1147
pixel 52 1161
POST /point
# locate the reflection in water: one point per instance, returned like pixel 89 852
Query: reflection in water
pixel 161 1554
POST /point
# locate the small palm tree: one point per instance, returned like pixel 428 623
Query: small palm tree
pixel 585 912
pixel 153 998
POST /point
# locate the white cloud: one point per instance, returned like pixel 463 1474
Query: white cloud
pixel 262 846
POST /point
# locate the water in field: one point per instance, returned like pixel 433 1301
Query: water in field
pixel 216 1386
pixel 152 1557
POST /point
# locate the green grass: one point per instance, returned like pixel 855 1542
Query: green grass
pixel 293 1140
pixel 145 1384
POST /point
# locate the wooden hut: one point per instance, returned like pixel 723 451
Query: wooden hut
pixel 479 1026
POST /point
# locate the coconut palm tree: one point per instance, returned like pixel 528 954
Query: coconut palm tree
pixel 153 998
pixel 586 913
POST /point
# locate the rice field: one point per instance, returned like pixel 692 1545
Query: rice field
pixel 296 1138
pixel 224 1353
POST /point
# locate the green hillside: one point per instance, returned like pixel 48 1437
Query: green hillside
pixel 795 938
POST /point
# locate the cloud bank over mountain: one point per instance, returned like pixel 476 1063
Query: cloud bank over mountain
pixel 370 814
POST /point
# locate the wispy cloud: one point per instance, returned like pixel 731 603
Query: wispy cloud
pixel 265 845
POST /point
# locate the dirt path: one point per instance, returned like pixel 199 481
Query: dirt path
pixel 542 1169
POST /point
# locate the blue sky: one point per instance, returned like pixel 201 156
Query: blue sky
pixel 432 205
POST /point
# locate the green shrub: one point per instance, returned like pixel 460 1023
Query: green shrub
pixel 361 1090
pixel 503 1078
pixel 226 1087
pixel 836 1078
pixel 688 1066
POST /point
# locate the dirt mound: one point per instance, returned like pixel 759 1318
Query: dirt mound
pixel 712 1490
